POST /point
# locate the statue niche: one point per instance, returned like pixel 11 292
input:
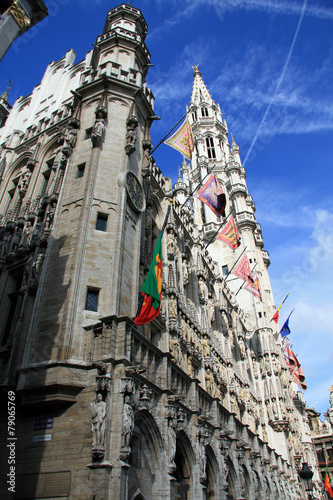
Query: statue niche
pixel 97 412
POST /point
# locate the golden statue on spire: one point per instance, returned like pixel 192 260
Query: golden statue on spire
pixel 196 69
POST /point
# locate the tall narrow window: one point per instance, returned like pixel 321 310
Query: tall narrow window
pixel 204 112
pixel 210 147
pixel 80 170
pixel 92 299
pixel 101 222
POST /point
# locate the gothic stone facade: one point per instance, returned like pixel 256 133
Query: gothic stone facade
pixel 198 403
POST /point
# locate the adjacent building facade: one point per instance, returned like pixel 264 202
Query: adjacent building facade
pixel 197 404
pixel 16 17
pixel 322 438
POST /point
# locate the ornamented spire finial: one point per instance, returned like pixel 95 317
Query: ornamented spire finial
pixel 196 70
pixel 4 95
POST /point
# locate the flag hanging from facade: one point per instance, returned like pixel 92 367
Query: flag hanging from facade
pixel 182 140
pixel 289 355
pixel 299 378
pixel 327 484
pixel 285 330
pixel 152 288
pixel 255 286
pixel 276 315
pixel 243 270
pixel 230 234
pixel 212 194
pixel 294 365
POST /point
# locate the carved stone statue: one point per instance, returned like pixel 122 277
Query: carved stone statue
pixel 209 381
pixel 174 349
pixel 211 310
pixel 130 136
pixel 185 272
pixel 26 274
pixel 202 289
pixel 99 127
pixel 24 182
pixel 171 441
pixel 128 423
pixel 171 243
pixel 206 347
pixel 231 339
pixel 26 235
pixel 16 239
pixel 98 413
pixel 35 235
pixel 241 347
pixel 98 131
pixel 146 160
pixel 71 136
pixel 172 307
pixel 50 214
pixel 37 266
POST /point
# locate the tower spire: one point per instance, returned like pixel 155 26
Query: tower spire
pixel 200 92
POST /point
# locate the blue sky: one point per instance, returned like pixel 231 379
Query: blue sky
pixel 269 63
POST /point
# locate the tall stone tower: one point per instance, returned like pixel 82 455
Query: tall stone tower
pixel 196 404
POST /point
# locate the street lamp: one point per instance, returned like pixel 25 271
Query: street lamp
pixel 306 474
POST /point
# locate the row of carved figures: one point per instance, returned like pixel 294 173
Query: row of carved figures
pixel 176 421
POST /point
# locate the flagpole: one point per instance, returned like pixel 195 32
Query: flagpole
pixel 239 289
pixel 278 309
pixel 194 190
pixel 162 140
pixel 223 224
pixel 166 217
pixel 289 315
pixel 233 267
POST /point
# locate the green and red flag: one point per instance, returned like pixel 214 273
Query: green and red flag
pixel 152 288
pixel 327 484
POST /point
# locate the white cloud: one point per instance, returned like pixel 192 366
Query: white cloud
pixel 186 8
pixel 245 87
pixel 306 271
pixel 273 6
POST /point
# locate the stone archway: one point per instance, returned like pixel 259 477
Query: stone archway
pixel 246 482
pixel 145 478
pixel 212 472
pixel 257 487
pixel 231 480
pixel 184 459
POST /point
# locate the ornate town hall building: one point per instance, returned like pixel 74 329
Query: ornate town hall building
pixel 198 404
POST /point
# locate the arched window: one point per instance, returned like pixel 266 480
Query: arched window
pixel 210 148
pixel 204 112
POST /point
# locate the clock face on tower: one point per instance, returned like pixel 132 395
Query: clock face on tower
pixel 135 192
